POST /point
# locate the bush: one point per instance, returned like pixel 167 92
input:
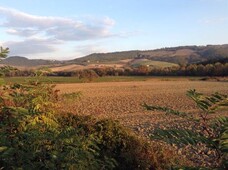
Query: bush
pixel 120 144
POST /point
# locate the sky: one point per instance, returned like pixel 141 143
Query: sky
pixel 62 30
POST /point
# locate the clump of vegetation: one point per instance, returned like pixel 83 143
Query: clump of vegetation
pixel 71 96
pixel 212 133
pixel 32 136
pixel 4 52
pixel 7 71
pixel 1 81
pixel 87 75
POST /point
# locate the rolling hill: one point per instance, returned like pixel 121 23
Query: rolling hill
pixel 18 61
pixel 164 57
pixel 107 57
pixel 177 55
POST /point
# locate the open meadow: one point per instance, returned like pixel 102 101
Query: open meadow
pixel 123 101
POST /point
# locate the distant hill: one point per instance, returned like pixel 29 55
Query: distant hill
pixel 163 57
pixel 107 57
pixel 18 61
pixel 177 55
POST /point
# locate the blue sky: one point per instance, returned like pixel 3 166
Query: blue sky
pixel 57 29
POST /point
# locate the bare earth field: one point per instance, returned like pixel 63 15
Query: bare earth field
pixel 122 101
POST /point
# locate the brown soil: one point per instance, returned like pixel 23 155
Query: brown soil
pixel 123 101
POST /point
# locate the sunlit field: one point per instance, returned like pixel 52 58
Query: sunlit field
pixel 123 101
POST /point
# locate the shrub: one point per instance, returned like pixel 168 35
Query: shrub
pixel 120 144
pixel 31 135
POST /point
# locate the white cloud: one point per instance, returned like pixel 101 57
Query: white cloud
pixel 32 46
pixel 82 50
pixel 67 29
pixel 26 32
pixel 42 35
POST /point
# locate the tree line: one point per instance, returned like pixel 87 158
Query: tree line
pixel 217 69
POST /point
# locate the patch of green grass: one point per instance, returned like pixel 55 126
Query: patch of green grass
pixel 42 79
pixel 121 78
pixel 2 81
pixel 153 63
pixel 59 80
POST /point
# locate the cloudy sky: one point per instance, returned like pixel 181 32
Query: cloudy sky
pixel 57 29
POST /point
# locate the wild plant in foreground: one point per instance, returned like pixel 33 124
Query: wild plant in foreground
pixel 212 133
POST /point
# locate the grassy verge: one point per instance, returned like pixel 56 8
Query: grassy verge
pixel 59 80
pixel 2 81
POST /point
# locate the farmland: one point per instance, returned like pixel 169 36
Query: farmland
pixel 122 101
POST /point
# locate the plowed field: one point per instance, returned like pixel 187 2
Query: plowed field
pixel 123 101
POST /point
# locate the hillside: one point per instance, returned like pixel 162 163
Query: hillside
pixel 107 57
pixel 18 61
pixel 146 62
pixel 178 55
pixel 164 57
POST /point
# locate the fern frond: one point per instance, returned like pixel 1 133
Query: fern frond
pixel 164 109
pixel 181 137
pixel 221 120
pixel 220 124
pixel 208 104
pixel 223 142
pixel 223 138
pixel 3 52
